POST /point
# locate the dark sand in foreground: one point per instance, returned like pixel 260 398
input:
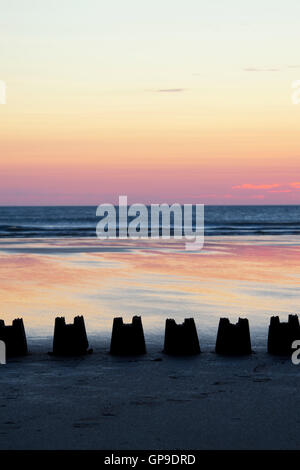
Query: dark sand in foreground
pixel 153 402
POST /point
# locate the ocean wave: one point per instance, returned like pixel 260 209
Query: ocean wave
pixel 72 222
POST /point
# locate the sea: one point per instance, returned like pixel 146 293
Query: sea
pixel 81 221
pixel 52 264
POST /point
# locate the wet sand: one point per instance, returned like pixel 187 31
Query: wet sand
pixel 153 402
pixel 234 276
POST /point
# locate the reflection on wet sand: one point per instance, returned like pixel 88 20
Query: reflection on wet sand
pixel 41 279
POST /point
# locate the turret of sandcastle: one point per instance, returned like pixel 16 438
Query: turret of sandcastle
pixel 70 339
pixel 233 339
pixel 282 334
pixel 14 337
pixel 127 338
pixel 181 339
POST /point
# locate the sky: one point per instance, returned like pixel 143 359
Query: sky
pixel 163 101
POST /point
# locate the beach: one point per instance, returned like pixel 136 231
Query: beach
pixel 150 189
pixel 154 401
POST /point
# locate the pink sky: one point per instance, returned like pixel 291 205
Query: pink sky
pixel 157 101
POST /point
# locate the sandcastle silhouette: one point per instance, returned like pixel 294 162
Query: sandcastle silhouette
pixel 180 339
pixel 14 337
